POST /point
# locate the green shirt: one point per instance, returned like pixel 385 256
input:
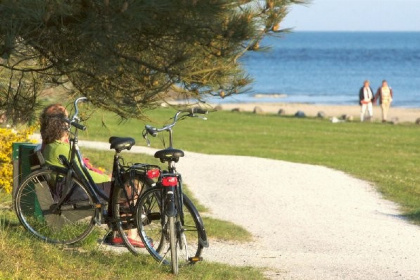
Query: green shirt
pixel 53 150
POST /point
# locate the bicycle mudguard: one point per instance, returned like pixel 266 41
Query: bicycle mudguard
pixel 170 209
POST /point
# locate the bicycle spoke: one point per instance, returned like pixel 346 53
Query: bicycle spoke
pixel 36 204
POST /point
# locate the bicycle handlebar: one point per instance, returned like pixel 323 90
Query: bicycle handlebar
pixel 190 112
pixel 76 108
pixel 74 121
pixel 75 124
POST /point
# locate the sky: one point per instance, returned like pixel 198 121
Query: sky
pixel 355 15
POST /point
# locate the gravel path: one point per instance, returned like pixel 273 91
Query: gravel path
pixel 308 222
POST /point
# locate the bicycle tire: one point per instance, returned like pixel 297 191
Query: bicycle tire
pixel 153 229
pixel 36 207
pixel 124 202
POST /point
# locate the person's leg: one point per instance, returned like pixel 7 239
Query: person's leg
pixel 133 188
pixel 105 187
pixel 363 112
pixel 385 108
pixel 370 110
pixel 133 191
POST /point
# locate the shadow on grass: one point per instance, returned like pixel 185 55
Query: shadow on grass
pixel 8 218
pixel 413 216
pixel 9 224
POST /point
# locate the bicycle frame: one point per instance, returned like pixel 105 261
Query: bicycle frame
pixel 77 167
pixel 171 181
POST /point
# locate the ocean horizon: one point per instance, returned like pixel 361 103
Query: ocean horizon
pixel 330 67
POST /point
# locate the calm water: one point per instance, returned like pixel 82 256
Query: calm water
pixel 330 67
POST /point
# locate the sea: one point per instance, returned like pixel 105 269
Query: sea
pixel 330 68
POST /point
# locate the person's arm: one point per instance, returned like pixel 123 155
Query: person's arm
pixel 378 95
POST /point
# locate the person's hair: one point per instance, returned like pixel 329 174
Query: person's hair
pixel 52 123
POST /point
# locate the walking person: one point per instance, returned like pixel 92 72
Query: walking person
pixel 365 100
pixel 384 94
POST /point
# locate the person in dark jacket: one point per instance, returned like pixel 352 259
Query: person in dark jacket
pixel 365 100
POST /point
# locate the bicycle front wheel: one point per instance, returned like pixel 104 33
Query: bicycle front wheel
pixel 53 209
pixel 154 229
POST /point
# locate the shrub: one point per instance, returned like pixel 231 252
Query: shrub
pixel 7 138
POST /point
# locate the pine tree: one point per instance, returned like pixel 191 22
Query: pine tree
pixel 127 55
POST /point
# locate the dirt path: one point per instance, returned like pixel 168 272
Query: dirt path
pixel 309 222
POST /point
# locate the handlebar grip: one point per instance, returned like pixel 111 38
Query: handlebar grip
pixel 75 124
pixel 151 130
pixel 78 125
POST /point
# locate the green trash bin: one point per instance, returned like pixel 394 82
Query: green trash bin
pixel 24 161
pixel 26 158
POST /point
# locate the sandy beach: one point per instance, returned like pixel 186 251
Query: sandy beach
pixel 311 110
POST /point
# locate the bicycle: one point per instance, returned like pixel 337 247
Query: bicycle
pixel 167 221
pixel 62 204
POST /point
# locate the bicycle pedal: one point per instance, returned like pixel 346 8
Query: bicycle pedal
pixel 195 259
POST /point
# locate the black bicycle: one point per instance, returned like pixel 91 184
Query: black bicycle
pixel 63 204
pixel 168 222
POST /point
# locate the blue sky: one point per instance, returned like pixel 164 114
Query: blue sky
pixel 355 15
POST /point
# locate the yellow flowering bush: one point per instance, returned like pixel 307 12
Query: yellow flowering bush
pixel 7 137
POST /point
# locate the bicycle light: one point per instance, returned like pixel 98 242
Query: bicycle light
pixel 169 181
pixel 153 173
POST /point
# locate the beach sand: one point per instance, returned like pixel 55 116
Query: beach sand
pixel 330 111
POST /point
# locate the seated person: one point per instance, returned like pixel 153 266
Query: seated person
pixel 55 142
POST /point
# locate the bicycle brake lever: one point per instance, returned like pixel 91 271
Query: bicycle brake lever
pixel 146 138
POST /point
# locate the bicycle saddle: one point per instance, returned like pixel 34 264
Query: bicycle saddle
pixel 169 154
pixel 121 143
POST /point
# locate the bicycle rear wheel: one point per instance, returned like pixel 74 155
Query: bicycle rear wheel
pixel 36 205
pixel 124 202
pixel 153 227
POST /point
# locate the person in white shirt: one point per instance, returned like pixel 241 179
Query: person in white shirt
pixel 365 100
